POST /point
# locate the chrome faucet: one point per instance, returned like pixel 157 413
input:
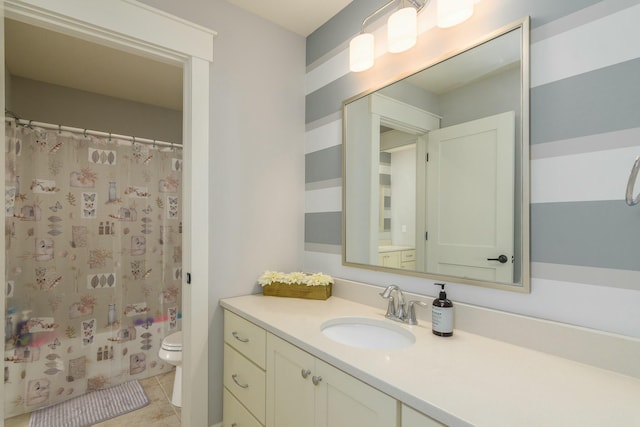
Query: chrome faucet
pixel 397 311
pixel 396 308
pixel 411 311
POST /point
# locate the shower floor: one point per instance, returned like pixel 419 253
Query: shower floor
pixel 159 413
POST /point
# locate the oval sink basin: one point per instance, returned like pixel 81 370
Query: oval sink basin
pixel 364 332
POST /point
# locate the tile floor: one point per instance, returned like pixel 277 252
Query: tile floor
pixel 158 413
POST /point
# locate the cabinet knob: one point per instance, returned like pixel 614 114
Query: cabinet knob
pixel 305 373
pixel 316 379
pixel 236 336
pixel 235 380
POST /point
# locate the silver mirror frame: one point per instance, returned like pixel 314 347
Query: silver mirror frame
pixel 525 270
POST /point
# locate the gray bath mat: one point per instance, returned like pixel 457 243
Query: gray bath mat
pixel 93 407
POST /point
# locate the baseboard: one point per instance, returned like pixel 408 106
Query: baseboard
pixel 596 348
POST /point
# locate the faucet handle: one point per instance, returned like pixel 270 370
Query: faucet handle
pixel 411 315
pixel 391 308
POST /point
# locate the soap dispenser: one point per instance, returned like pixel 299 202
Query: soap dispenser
pixel 442 314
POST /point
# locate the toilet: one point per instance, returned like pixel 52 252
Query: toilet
pixel 171 352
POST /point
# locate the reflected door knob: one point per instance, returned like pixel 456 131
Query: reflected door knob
pixel 502 259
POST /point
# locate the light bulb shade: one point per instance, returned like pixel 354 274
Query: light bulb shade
pixel 453 12
pixel 361 52
pixel 402 30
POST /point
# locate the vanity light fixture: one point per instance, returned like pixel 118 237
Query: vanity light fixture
pixel 402 28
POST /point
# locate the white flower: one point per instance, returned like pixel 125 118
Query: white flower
pixel 269 277
pixel 296 277
pixel 319 279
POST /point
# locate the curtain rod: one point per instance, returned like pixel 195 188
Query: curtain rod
pixel 85 132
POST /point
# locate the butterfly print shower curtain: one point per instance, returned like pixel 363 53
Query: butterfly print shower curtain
pixel 94 251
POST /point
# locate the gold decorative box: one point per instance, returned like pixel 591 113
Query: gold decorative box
pixel 297 290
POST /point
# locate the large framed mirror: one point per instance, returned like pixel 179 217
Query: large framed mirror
pixel 436 168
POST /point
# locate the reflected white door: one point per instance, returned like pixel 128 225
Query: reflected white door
pixel 470 180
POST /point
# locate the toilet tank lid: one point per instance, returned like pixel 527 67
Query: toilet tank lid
pixel 173 340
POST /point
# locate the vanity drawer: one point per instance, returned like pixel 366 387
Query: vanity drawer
pixel 245 381
pixel 234 414
pixel 409 255
pixel 247 338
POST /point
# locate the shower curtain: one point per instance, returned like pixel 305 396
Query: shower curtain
pixel 93 253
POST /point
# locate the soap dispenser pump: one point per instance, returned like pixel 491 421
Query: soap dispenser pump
pixel 442 314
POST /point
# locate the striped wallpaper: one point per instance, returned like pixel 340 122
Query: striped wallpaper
pixel 585 135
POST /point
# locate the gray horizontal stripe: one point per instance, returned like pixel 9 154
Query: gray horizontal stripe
pixel 587 144
pixel 593 11
pixel 324 164
pixel 602 234
pixel 328 99
pixel 577 237
pixel 327 249
pixel 341 27
pixel 624 279
pixel 596 102
pixel 385 179
pixel 319 185
pixel 323 121
pixel 323 227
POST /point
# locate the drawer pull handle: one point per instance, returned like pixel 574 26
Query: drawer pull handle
pixel 316 380
pixel 305 373
pixel 235 380
pixel 234 424
pixel 235 335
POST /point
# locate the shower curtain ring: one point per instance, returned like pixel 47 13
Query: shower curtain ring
pixel 109 136
pixel 85 133
pixel 134 141
pixel 59 128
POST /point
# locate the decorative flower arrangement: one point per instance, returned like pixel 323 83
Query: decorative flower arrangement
pixel 295 278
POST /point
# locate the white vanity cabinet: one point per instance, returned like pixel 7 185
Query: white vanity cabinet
pixel 412 418
pixel 305 391
pixel 404 259
pixel 244 373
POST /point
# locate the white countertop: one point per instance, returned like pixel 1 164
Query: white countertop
pixel 463 380
pixel 393 248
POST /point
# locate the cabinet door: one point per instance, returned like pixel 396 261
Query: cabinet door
pixel 343 401
pixel 413 418
pixel 389 259
pixel 290 396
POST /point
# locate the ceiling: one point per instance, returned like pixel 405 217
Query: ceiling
pixel 300 16
pixel 42 55
pixel 46 56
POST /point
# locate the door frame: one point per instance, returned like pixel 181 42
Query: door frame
pixel 154 34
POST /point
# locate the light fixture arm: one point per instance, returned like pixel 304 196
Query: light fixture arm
pixel 418 4
pixel 373 14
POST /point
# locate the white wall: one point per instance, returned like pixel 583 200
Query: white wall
pixel 257 157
